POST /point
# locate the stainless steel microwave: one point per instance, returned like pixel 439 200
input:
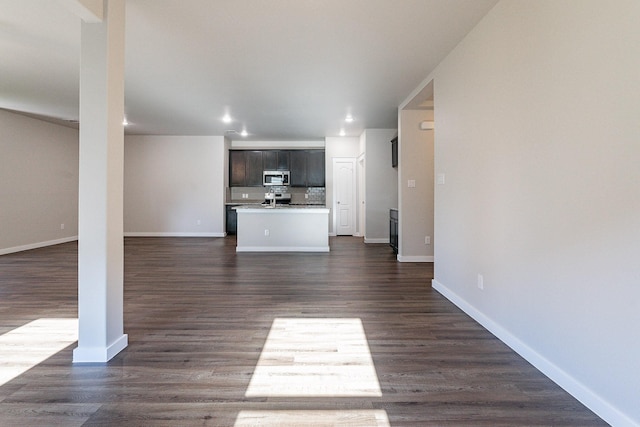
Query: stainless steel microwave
pixel 275 178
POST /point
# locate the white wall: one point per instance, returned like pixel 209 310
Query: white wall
pixel 38 183
pixel 537 129
pixel 415 210
pixel 337 147
pixel 381 192
pixel 275 145
pixel 171 183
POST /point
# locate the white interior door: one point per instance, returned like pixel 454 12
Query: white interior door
pixel 344 200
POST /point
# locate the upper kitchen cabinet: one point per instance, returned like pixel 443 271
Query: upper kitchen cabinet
pixel 245 168
pixel 307 168
pixel 254 169
pixel 315 168
pixel 237 168
pixel 298 168
pixel 275 160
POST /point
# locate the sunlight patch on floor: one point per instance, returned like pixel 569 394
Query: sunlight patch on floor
pixel 337 418
pixel 315 357
pixel 23 348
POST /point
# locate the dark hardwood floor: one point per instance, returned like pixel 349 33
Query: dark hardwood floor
pixel 198 316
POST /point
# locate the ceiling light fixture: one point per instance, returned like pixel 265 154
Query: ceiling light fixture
pixel 244 133
pixel 125 122
pixel 342 132
pixel 349 118
pixel 226 118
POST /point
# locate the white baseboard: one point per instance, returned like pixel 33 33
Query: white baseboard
pixel 170 234
pixel 100 354
pixel 282 249
pixel 38 245
pixel 415 258
pixel 379 240
pixel 574 387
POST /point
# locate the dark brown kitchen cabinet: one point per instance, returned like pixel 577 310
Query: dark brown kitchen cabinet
pixel 231 220
pixel 307 168
pixel 254 169
pixel 315 168
pixel 237 168
pixel 394 152
pixel 275 160
pixel 245 168
pixel 393 230
pixel 298 168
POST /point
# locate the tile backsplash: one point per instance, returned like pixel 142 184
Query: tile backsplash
pixel 314 195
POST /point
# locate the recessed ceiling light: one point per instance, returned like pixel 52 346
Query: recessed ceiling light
pixel 226 118
pixel 244 132
pixel 349 118
pixel 125 122
pixel 342 132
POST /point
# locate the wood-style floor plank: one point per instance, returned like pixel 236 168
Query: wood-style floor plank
pixel 198 316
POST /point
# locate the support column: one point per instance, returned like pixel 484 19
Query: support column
pixel 100 217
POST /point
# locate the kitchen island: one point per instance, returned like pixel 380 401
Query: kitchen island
pixel 282 228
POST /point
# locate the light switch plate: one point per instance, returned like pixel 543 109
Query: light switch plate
pixel 411 183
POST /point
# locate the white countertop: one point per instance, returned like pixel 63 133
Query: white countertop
pixel 281 208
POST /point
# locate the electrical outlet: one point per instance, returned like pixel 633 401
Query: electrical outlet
pixel 61 226
pixel 306 196
pixel 266 232
pixel 480 282
pixel 198 222
pixel 427 240
pixel 411 183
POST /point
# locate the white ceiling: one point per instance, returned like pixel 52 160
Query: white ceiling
pixel 284 69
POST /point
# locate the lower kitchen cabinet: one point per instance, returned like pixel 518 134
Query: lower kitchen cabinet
pixel 393 230
pixel 231 220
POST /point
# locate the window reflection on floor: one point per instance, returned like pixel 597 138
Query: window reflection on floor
pixel 23 348
pixel 351 418
pixel 315 357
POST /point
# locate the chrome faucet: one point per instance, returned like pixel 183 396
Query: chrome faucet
pixel 273 197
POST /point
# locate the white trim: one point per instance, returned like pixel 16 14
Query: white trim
pixel 588 397
pixel 332 234
pixel 378 240
pixel 100 354
pixel 403 258
pixel 361 195
pixel 170 234
pixel 282 249
pixel 38 245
